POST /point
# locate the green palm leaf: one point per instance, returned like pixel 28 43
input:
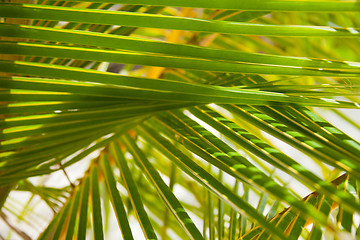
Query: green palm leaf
pixel 183 119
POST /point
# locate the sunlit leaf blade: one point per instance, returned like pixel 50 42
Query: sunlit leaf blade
pixel 166 22
pixel 97 222
pixel 83 213
pixel 172 182
pixel 210 216
pixel 115 197
pixel 346 219
pixel 256 5
pixel 174 61
pixel 233 224
pixel 220 215
pixel 73 215
pixel 133 192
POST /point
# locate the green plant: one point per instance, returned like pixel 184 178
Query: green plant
pixel 199 92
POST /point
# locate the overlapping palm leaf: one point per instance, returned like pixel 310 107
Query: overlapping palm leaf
pixel 195 87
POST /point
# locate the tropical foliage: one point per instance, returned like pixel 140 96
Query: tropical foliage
pixel 187 119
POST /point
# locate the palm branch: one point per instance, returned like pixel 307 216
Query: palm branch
pixel 179 119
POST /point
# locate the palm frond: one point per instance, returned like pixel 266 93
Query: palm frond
pixel 193 119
